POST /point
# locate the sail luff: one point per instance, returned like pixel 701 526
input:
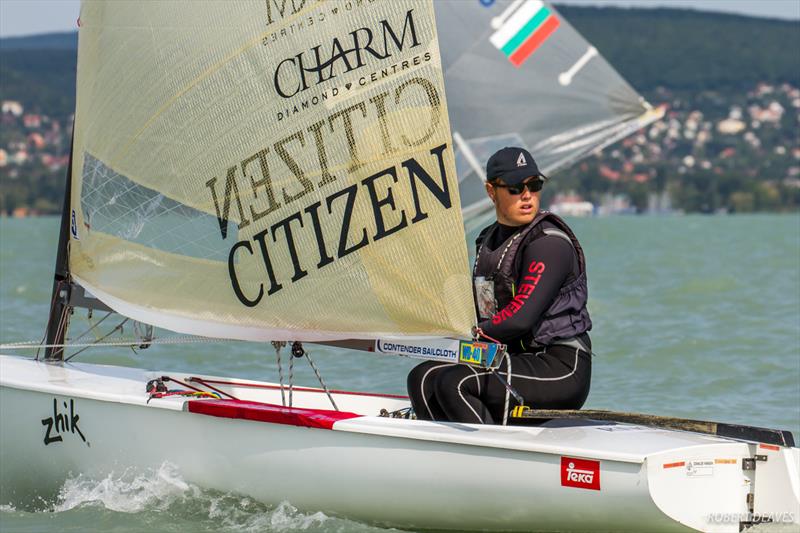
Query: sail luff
pixel 58 318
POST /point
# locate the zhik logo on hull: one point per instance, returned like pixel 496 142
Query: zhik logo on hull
pixel 61 424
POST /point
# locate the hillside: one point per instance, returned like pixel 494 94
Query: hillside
pixel 729 140
pixel 687 50
pixel 61 41
pixel 682 50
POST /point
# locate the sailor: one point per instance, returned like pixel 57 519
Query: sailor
pixel 530 293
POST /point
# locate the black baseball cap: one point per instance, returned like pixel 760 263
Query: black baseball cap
pixel 513 165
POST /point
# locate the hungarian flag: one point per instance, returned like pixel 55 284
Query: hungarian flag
pixel 522 31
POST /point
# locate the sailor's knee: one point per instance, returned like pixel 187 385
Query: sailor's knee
pixel 449 382
pixel 417 374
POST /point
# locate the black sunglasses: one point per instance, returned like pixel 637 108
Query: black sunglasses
pixel 532 186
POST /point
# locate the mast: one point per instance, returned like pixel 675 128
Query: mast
pixel 60 309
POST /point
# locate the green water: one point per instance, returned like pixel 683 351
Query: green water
pixel 693 316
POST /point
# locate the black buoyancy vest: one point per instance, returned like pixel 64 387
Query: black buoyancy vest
pixel 567 316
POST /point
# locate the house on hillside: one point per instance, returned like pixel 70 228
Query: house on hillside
pixel 12 107
pixel 36 140
pixel 730 126
pixel 32 121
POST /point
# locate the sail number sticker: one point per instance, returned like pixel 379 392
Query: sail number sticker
pixel 580 473
pixel 481 354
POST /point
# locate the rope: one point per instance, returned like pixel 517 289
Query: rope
pixel 321 381
pixel 195 394
pixel 63 323
pixel 478 332
pixel 62 320
pixel 144 332
pixel 291 377
pixel 117 327
pixel 94 325
pixel 183 339
pixel 278 345
pixel 508 390
pixel 218 391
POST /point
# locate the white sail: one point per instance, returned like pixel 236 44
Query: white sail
pixel 278 170
pixel 517 73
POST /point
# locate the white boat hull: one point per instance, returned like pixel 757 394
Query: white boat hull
pixel 395 472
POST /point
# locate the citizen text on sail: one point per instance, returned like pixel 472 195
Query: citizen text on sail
pixel 352 234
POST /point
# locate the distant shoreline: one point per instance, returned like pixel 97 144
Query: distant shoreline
pixel 6 216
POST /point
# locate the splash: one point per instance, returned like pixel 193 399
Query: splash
pixel 147 496
pixel 126 493
pixel 246 517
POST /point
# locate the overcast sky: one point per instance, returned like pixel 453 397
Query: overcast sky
pixel 28 17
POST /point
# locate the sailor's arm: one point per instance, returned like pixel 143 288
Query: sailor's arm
pixel 546 263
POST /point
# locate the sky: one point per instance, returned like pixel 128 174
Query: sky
pixel 29 17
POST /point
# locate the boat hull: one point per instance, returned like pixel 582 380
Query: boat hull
pixel 393 472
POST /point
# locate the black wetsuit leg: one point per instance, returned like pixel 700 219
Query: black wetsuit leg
pixel 420 386
pixel 557 377
pixel 467 394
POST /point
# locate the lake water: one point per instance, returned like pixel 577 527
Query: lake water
pixel 693 316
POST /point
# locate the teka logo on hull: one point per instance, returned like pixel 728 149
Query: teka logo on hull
pixel 580 473
pixel 61 424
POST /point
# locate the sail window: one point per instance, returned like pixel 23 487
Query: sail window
pixel 114 204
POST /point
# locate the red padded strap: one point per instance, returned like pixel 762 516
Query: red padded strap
pixel 265 412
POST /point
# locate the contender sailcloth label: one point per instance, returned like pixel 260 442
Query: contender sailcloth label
pixel 522 31
pixel 439 349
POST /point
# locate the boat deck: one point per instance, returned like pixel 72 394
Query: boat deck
pixel 261 402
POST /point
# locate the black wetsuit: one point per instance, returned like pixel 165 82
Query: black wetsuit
pixel 548 377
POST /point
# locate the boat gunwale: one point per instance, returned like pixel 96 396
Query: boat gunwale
pixel 495 437
pixel 271 386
